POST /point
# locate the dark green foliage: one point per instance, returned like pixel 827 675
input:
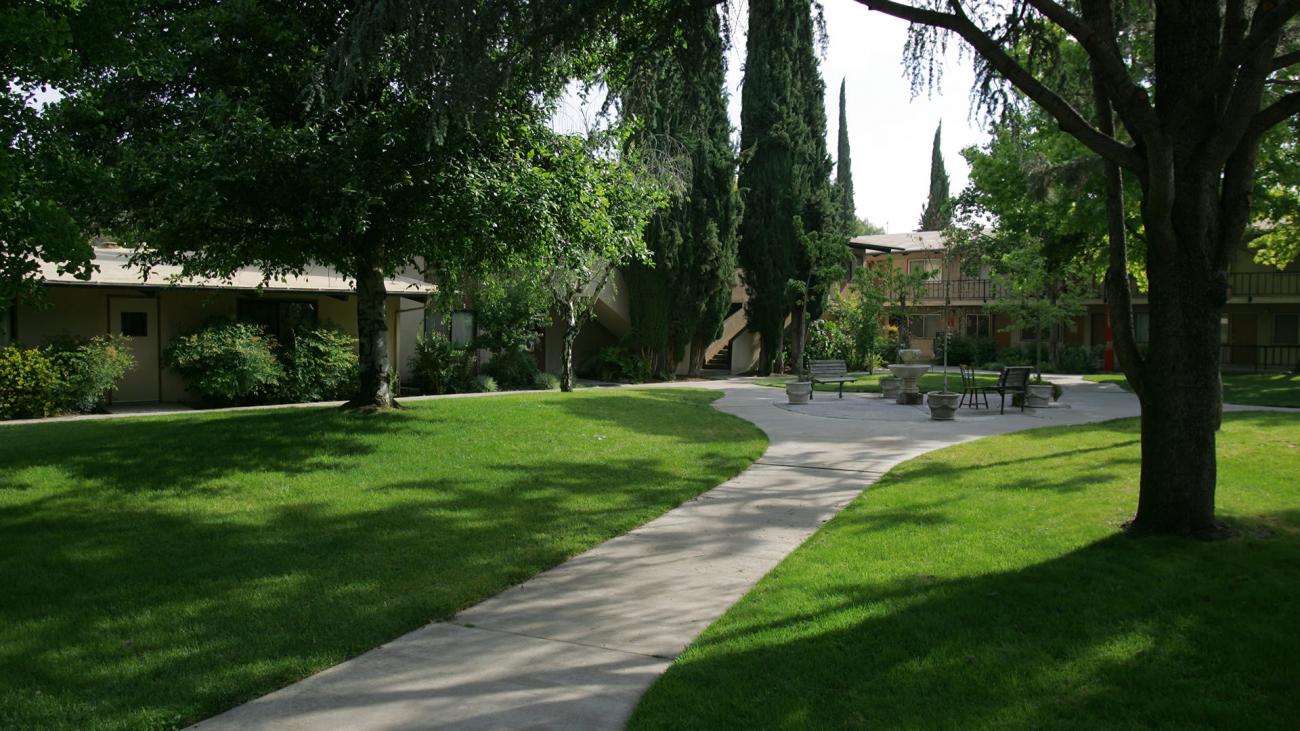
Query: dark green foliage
pixel 226 363
pixel 937 211
pixel 617 363
pixel 320 364
pixel 40 172
pixel 439 366
pixel 513 369
pixel 510 312
pixel 849 222
pixel 965 350
pixel 784 167
pixel 87 370
pixel 27 382
pixel 1080 359
pixel 680 102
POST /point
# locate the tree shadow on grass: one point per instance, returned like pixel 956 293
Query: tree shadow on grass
pixel 181 453
pixel 120 610
pixel 1119 633
pixel 138 618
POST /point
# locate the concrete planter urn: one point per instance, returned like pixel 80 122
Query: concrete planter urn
pixel 798 391
pixel 909 356
pixel 889 387
pixel 943 404
pixel 1040 395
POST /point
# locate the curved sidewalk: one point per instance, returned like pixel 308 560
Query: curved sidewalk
pixel 576 646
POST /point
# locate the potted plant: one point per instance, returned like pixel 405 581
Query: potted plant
pixel 1040 392
pixel 889 386
pixel 943 404
pixel 798 391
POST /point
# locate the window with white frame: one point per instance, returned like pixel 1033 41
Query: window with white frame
pixel 934 266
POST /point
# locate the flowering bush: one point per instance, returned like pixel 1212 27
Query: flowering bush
pixel 27 380
pixel 88 369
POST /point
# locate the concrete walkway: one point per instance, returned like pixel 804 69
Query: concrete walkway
pixel 576 646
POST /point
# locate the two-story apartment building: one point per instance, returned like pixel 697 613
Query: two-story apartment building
pixel 1261 327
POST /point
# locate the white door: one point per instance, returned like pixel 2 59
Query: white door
pixel 137 318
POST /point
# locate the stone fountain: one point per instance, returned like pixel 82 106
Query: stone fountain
pixel 907 373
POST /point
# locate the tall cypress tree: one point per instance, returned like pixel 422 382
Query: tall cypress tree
pixel 847 210
pixel 937 211
pixel 784 166
pixel 681 103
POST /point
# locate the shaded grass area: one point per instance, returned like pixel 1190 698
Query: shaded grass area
pixel 1250 389
pixel 988 585
pixel 870 383
pixel 156 571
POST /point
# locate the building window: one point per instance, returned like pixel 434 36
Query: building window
pixel 979 326
pixel 1286 329
pixel 135 324
pixel 462 327
pixel 934 266
pixel 1141 326
pixel 925 326
pixel 279 318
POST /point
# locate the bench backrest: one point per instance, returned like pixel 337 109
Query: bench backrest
pixel 829 368
pixel 1015 377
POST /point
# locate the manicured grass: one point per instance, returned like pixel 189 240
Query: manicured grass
pixel 988 586
pixel 1251 389
pixel 865 383
pixel 156 571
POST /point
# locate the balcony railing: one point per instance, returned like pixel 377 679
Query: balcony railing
pixel 1264 284
pixel 960 289
pixel 1260 357
pixel 1243 284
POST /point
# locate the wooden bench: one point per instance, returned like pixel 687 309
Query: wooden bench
pixel 830 371
pixel 1014 380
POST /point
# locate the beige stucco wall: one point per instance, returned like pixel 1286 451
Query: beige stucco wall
pixel 83 312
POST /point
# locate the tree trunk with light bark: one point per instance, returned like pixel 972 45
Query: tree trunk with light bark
pixel 373 388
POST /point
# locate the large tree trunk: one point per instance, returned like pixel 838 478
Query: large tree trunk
pixel 570 336
pixel 373 390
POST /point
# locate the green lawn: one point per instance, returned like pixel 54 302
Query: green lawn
pixel 1251 389
pixel 988 585
pixel 155 571
pixel 871 383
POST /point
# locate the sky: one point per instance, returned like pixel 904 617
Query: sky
pixel 890 133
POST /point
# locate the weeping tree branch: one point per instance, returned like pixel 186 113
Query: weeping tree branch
pixel 1069 119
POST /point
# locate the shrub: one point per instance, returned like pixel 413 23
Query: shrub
pixel 616 363
pixel 1080 359
pixel 547 382
pixel 828 341
pixel 320 364
pixel 439 366
pixel 486 384
pixel 1014 357
pixel 513 369
pixel 27 383
pixel 226 362
pixel 965 349
pixel 87 369
pixel 994 366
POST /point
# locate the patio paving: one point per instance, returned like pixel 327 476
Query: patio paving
pixel 576 646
